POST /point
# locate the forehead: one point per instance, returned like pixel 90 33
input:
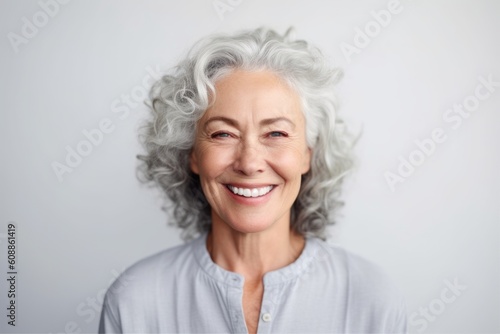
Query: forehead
pixel 255 92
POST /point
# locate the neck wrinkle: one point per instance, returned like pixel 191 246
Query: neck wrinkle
pixel 253 254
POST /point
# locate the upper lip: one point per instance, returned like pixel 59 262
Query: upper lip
pixel 250 186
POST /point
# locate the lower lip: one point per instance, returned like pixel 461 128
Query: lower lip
pixel 250 200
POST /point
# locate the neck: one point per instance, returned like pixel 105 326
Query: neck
pixel 253 254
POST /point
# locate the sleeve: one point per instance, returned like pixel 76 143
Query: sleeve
pixel 401 320
pixel 108 322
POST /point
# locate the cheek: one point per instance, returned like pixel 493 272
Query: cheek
pixel 290 163
pixel 212 161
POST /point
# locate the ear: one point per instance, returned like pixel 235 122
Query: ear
pixel 307 161
pixel 193 162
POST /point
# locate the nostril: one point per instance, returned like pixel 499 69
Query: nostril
pixel 249 160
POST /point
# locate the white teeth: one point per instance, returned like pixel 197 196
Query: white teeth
pixel 246 192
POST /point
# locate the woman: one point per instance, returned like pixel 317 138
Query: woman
pixel 245 142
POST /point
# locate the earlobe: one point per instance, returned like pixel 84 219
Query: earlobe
pixel 193 162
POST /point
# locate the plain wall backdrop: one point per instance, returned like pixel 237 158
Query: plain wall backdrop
pixel 70 67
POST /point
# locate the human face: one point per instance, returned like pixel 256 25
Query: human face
pixel 250 151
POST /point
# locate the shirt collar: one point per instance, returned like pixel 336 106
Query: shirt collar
pixel 291 271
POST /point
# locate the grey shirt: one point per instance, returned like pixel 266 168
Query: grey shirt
pixel 181 290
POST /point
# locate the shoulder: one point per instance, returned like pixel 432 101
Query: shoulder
pixel 140 281
pixel 131 302
pixel 370 292
pixel 360 272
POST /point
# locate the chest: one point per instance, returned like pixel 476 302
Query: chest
pixel 252 302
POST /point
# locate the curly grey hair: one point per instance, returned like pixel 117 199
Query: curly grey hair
pixel 179 99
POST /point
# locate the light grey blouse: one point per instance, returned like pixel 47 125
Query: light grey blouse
pixel 181 290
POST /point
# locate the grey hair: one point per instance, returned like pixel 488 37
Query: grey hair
pixel 180 98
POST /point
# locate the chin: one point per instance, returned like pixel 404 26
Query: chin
pixel 253 225
pixel 249 229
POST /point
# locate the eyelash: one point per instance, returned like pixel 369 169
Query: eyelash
pixel 272 134
pixel 281 134
pixel 218 135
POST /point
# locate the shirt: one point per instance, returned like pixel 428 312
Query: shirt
pixel 181 290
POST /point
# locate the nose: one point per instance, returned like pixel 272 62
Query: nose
pixel 249 159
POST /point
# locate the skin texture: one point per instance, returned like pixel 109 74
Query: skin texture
pixel 253 136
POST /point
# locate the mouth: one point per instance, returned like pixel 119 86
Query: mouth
pixel 250 192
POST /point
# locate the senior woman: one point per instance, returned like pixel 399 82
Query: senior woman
pixel 245 142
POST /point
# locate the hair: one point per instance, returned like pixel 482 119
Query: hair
pixel 179 99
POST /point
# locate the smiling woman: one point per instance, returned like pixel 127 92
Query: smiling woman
pixel 246 143
pixel 250 153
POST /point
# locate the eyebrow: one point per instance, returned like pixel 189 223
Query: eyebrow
pixel 235 123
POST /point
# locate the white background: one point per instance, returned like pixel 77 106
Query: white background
pixel 74 236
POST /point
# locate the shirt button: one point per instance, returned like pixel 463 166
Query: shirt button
pixel 266 317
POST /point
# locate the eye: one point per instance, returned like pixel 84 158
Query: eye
pixel 220 135
pixel 278 134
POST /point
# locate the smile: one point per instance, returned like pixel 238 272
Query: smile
pixel 247 192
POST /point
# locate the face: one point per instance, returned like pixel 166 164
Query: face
pixel 250 151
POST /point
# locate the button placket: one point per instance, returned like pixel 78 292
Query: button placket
pixel 269 305
pixel 236 313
